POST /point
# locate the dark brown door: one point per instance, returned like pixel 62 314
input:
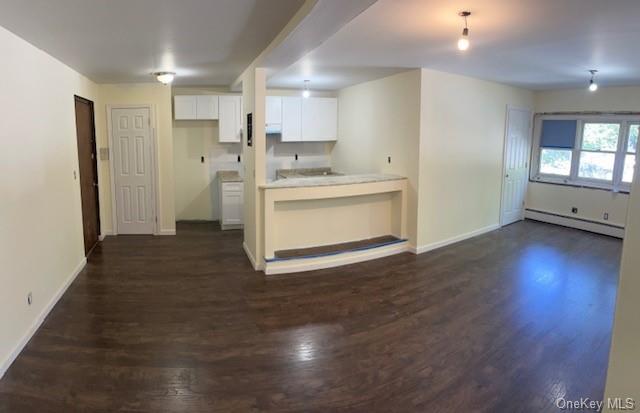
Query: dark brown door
pixel 87 157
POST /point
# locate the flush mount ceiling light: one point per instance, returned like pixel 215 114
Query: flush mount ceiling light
pixel 306 92
pixel 165 77
pixel 593 86
pixel 463 41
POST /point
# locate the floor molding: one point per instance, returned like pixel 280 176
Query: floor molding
pixel 251 257
pixel 439 244
pixel 167 232
pixel 575 222
pixel 4 366
pixel 336 260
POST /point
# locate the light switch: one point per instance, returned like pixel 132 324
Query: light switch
pixel 104 154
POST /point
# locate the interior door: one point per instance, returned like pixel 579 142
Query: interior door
pixel 133 170
pixel 88 168
pixel 516 164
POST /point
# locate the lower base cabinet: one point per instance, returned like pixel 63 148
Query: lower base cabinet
pixel 231 205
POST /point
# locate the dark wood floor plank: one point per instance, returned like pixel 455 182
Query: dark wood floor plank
pixel 508 321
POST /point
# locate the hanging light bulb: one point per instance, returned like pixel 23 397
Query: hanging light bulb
pixel 306 92
pixel 593 86
pixel 463 41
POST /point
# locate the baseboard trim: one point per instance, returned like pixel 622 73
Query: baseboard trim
pixel 4 366
pixel 576 223
pixel 331 261
pixel 167 232
pixel 439 244
pixel 104 235
pixel 247 251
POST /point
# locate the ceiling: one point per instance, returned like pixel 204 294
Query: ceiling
pixel 535 44
pixel 207 42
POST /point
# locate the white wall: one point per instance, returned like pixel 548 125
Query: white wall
pixel 376 120
pixel 196 183
pixel 623 374
pixel 41 240
pixel 461 152
pixel 591 203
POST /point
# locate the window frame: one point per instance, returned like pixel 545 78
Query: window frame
pixel 573 179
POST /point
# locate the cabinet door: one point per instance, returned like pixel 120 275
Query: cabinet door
pixel 207 107
pixel 232 207
pixel 184 107
pixel 291 119
pixel 274 110
pixel 229 126
pixel 319 119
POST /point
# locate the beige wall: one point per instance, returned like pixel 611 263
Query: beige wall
pixel 41 241
pixel 461 151
pixel 376 120
pixel 591 203
pixel 159 96
pixel 253 95
pixel 623 374
pixel 196 184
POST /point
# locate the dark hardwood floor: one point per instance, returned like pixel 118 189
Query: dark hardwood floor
pixel 505 322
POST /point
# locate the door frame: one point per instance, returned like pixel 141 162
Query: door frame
pixel 154 160
pixel 95 162
pixel 504 152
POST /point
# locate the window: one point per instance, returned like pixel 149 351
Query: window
pixel 591 151
pixel 598 151
pixel 556 147
pixel 630 155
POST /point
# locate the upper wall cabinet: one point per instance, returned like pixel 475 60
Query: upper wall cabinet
pixel 230 124
pixel 207 107
pixel 291 119
pixel 195 107
pixel 273 116
pixel 319 119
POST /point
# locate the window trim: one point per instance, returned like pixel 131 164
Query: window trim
pixel 573 179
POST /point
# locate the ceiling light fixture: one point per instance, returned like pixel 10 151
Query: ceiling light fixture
pixel 463 41
pixel 306 92
pixel 593 86
pixel 165 77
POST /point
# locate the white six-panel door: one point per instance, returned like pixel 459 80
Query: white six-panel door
pixel 516 164
pixel 132 166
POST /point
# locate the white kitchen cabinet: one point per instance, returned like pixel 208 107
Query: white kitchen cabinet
pixel 291 119
pixel 231 205
pixel 230 118
pixel 207 107
pixel 319 119
pixel 273 114
pixel 195 107
pixel 185 107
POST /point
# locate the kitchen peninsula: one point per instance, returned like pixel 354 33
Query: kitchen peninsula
pixel 327 221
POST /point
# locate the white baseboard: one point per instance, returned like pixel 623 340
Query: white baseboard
pixel 439 244
pixel 167 232
pixel 254 263
pixel 104 235
pixel 330 261
pixel 4 366
pixel 577 223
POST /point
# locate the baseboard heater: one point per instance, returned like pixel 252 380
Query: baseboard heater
pixel 575 222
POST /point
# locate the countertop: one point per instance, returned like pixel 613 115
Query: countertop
pixel 330 180
pixel 229 176
pixel 304 172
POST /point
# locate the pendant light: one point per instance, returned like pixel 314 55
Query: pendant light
pixel 165 77
pixel 463 41
pixel 593 86
pixel 306 92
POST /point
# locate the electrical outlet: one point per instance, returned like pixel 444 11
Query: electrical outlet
pixel 202 159
pixel 296 156
pixel 239 158
pixel 29 298
pixel 388 159
pixel 75 175
pixel 606 216
pixel 574 210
